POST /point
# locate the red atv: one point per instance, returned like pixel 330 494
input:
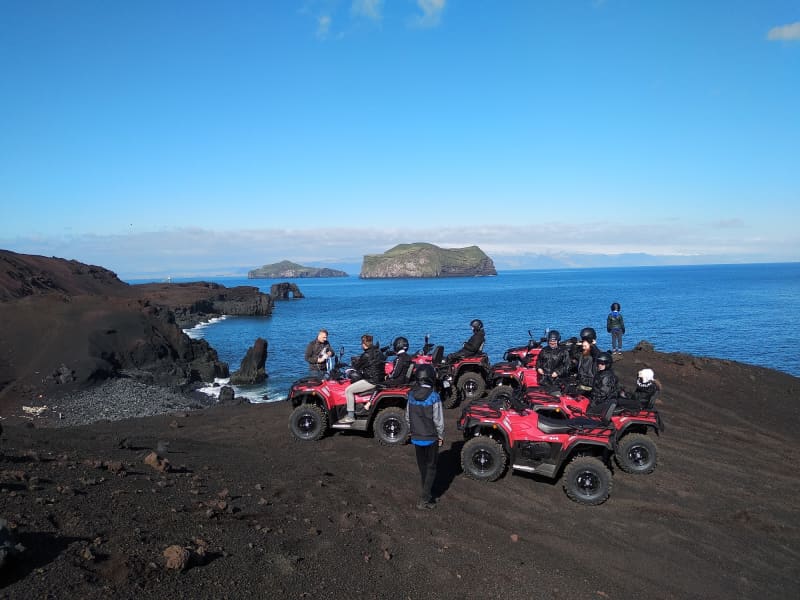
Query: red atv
pixel 636 451
pixel 508 376
pixel 320 402
pixel 578 449
pixel 463 380
pixel 524 354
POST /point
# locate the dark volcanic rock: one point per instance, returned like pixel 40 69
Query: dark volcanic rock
pixel 66 325
pixel 252 368
pixel 201 301
pixel 284 291
pixel 24 275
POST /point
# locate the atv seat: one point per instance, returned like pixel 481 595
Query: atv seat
pixel 551 425
pixel 438 355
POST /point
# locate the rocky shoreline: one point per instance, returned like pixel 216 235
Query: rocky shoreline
pixel 118 399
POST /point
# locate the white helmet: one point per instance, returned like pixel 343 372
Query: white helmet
pixel 646 376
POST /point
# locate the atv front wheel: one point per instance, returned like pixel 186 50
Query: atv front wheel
pixel 587 481
pixel 502 392
pixel 636 454
pixel 308 422
pixel 483 459
pixel 470 386
pixel 390 426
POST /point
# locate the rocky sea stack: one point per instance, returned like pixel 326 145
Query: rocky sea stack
pixel 427 260
pixel 289 270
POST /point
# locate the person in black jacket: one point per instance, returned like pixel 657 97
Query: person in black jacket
pixel 474 345
pixel 552 364
pixel 402 363
pixel 425 420
pixel 584 366
pixel 318 353
pixel 401 368
pixel 605 387
pixel 370 366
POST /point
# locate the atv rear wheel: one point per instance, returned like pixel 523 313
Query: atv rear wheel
pixel 470 386
pixel 308 422
pixel 449 398
pixel 587 480
pixel 636 454
pixel 390 426
pixel 502 392
pixel 483 459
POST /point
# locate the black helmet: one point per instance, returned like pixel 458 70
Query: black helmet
pixel 425 375
pixel 400 343
pixel 615 306
pixel 604 358
pixel 588 334
pixel 476 324
pixel 553 334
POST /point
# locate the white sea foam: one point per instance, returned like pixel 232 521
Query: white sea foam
pixel 255 394
pixel 197 332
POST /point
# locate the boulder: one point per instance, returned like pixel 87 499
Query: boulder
pixel 252 371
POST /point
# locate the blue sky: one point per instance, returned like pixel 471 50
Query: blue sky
pixel 187 137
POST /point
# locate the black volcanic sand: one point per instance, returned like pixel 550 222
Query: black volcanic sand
pixel 264 516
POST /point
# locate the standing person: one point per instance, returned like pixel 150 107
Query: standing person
pixel 615 325
pixel 319 353
pixel 425 420
pixel 370 366
pixel 474 345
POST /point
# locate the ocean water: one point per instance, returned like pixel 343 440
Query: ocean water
pixel 747 313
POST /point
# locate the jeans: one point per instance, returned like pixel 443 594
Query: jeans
pixel 616 339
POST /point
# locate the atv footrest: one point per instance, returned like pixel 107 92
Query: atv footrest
pixel 357 425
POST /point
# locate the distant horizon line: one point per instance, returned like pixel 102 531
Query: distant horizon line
pixel 162 277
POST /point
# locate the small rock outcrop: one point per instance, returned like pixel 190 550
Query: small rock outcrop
pixel 252 370
pixel 289 270
pixel 427 260
pixel 284 291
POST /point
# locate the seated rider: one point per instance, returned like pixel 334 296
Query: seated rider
pixel 646 388
pixel 584 362
pixel 474 345
pixel 370 366
pixel 605 386
pixel 552 364
pixel 402 362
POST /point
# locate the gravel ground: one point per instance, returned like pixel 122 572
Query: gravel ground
pixel 118 399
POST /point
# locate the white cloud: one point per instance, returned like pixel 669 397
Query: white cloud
pixel 370 9
pixel 323 26
pixel 190 251
pixel 431 12
pixel 788 32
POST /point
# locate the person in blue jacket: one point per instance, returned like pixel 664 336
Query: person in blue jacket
pixel 425 419
pixel 615 325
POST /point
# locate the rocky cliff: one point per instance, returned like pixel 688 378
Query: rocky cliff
pixel 289 270
pixel 427 260
pixel 66 324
